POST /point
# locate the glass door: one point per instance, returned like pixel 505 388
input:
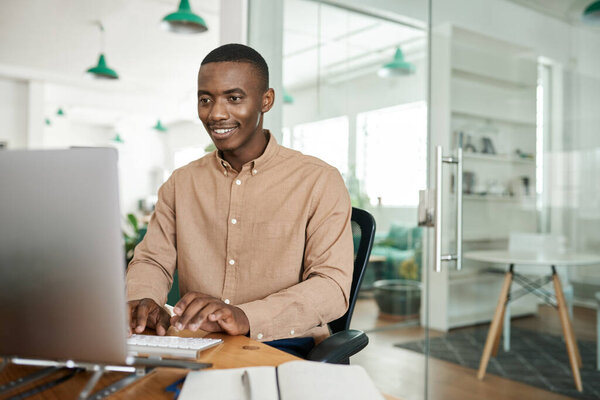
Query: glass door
pixel 355 87
pixel 514 123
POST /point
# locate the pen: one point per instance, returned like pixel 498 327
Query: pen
pixel 246 382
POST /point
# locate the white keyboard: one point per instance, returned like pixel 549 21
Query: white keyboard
pixel 173 346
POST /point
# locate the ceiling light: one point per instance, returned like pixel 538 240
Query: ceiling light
pixel 101 70
pixel 159 126
pixel 184 20
pixel 397 67
pixel 287 98
pixel 118 139
pixel 591 14
pixel 60 112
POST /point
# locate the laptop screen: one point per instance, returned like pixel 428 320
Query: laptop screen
pixel 62 264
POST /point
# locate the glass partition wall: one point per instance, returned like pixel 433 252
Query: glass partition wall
pixel 516 87
pixel 355 82
pixel 513 85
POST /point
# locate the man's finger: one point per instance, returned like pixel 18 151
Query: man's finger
pixel 185 301
pixel 132 307
pixel 198 319
pixel 191 310
pixel 162 322
pixel 222 314
pixel 141 317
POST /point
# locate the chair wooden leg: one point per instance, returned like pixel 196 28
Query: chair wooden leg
pixel 572 349
pixel 495 327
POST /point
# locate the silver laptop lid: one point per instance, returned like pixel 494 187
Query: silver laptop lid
pixel 62 289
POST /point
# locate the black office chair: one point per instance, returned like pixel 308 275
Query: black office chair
pixel 345 342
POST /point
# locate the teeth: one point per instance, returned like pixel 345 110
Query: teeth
pixel 221 131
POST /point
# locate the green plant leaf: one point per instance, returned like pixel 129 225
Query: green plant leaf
pixel 133 221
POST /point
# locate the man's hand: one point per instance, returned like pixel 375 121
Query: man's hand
pixel 146 312
pixel 199 311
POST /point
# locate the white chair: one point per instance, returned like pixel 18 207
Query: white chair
pixel 528 242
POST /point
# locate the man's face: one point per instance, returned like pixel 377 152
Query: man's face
pixel 231 101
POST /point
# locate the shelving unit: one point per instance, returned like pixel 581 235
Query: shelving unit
pixel 484 92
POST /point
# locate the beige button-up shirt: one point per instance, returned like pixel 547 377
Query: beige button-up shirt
pixel 274 240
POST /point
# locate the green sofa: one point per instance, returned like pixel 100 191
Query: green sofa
pixel 402 249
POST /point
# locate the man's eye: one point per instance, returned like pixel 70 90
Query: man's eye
pixel 203 100
pixel 235 98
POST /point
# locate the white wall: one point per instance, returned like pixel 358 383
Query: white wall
pixel 13 113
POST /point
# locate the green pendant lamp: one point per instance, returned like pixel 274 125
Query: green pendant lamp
pixel 101 70
pixel 159 126
pixel 184 20
pixel 60 112
pixel 591 14
pixel 287 98
pixel 118 139
pixel 398 66
pixel 47 121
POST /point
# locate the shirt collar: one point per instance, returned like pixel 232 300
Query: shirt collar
pixel 257 164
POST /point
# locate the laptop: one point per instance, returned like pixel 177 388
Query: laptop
pixel 62 261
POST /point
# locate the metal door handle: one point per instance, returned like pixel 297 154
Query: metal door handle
pixel 437 210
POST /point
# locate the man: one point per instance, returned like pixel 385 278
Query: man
pixel 260 234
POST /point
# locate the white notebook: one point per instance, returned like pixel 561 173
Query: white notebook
pixel 294 380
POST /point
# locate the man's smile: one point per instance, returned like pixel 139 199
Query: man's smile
pixel 222 132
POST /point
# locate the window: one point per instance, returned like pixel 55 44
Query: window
pixel 326 139
pixel 392 142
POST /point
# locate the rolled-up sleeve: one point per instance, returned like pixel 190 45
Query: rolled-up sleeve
pixel 322 295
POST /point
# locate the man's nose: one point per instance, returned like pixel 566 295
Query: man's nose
pixel 218 112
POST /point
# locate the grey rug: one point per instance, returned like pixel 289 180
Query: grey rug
pixel 534 358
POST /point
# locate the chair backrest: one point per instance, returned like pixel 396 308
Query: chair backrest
pixel 363 231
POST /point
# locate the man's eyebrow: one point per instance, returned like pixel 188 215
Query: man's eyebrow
pixel 234 90
pixel 201 92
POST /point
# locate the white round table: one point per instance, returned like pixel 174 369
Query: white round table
pixel 539 258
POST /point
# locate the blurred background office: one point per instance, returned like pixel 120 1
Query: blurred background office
pixel 371 87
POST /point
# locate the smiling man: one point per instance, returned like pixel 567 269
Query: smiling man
pixel 259 233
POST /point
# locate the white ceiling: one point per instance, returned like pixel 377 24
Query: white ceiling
pixel 57 40
pixel 341 42
pixel 566 10
pixel 60 37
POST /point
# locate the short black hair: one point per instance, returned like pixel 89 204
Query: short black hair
pixel 235 52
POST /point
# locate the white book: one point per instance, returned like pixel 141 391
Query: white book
pixel 294 380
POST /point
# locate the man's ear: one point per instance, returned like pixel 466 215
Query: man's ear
pixel 267 100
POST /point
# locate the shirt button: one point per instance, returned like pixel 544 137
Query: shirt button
pixel 226 301
pixel 225 173
pixel 231 262
pixel 292 332
pixel 259 336
pixel 254 172
pixel 238 182
pixel 234 221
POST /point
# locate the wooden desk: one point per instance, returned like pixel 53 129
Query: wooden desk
pixel 234 352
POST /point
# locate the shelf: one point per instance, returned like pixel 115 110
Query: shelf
pixel 497 158
pixel 490 80
pixel 486 117
pixel 489 197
